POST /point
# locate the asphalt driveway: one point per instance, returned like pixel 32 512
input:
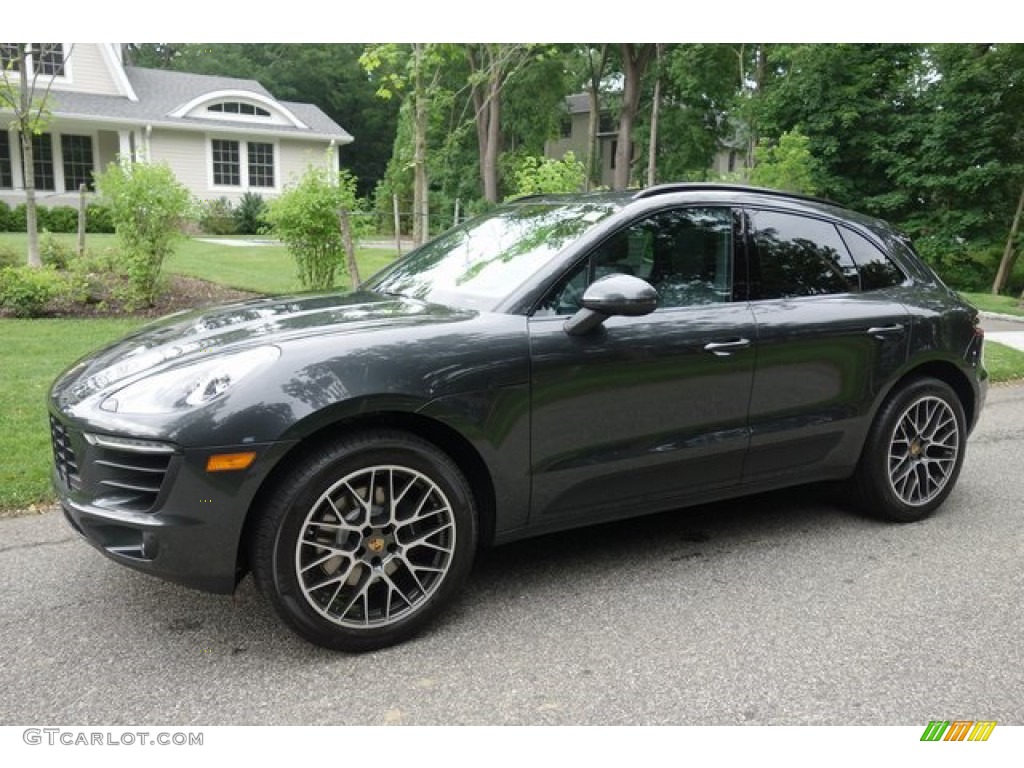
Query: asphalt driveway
pixel 782 609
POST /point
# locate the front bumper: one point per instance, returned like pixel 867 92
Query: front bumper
pixel 168 517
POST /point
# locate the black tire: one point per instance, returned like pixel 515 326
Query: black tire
pixel 366 541
pixel 913 453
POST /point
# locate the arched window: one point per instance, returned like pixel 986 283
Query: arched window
pixel 238 108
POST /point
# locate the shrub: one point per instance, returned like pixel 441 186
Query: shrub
pixel 54 253
pixel 217 217
pixel 147 204
pixel 10 257
pixel 305 218
pixel 544 175
pixel 98 219
pixel 248 214
pixel 61 218
pixel 25 291
pixel 17 219
pixel 5 215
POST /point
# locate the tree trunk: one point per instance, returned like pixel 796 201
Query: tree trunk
pixel 489 156
pixel 485 63
pixel 652 153
pixel 28 165
pixel 634 61
pixel 420 201
pixel 1009 252
pixel 594 119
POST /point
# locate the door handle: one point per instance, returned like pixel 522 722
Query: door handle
pixel 725 348
pixel 880 331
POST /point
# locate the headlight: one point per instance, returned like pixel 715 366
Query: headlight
pixel 189 386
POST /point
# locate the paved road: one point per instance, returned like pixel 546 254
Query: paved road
pixel 783 609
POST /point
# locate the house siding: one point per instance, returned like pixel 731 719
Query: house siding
pixel 296 156
pixel 89 72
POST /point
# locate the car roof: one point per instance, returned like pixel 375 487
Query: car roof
pixel 712 191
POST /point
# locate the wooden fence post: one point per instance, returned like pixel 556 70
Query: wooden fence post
pixel 350 251
pixel 81 220
pixel 398 225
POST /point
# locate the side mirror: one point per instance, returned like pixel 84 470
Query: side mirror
pixel 612 295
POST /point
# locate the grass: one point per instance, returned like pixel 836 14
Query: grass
pixel 1003 363
pixel 1005 305
pixel 32 354
pixel 261 269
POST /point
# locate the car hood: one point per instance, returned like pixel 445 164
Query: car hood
pixel 186 336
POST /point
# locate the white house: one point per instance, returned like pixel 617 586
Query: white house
pixel 221 136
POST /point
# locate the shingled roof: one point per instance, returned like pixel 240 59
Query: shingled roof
pixel 161 92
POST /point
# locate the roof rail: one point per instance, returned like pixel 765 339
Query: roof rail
pixel 697 186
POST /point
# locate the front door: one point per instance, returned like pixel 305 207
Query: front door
pixel 644 412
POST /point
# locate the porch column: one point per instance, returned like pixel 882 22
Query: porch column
pixel 124 146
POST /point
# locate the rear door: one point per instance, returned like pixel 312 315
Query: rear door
pixel 830 335
pixel 644 411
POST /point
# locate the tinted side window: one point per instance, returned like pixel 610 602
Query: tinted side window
pixel 686 254
pixel 876 270
pixel 799 256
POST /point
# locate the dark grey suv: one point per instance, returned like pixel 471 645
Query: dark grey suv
pixel 557 362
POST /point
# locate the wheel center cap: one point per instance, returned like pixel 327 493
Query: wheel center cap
pixel 375 544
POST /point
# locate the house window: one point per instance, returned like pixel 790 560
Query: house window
pixel 238 108
pixel 42 162
pixel 9 57
pixel 78 164
pixel 49 58
pixel 605 123
pixel 566 127
pixel 6 174
pixel 261 164
pixel 227 170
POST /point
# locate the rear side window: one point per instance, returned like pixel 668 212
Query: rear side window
pixel 876 269
pixel 799 256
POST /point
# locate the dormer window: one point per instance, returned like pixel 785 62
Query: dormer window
pixel 49 58
pixel 238 108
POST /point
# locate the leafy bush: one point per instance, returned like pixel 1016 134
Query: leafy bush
pixel 787 164
pixel 147 204
pixel 544 175
pixel 305 218
pixel 98 219
pixel 5 215
pixel 10 257
pixel 54 253
pixel 217 217
pixel 25 291
pixel 17 219
pixel 248 214
pixel 61 218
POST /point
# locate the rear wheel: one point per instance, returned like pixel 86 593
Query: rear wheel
pixel 367 541
pixel 913 454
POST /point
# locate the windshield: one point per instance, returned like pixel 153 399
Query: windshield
pixel 479 263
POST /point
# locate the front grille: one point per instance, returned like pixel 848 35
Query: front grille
pixel 113 472
pixel 64 456
pixel 125 477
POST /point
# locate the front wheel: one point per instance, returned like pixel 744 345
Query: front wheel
pixel 366 541
pixel 913 454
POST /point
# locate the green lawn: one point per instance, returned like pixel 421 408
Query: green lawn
pixel 262 269
pixel 1006 305
pixel 32 353
pixel 1003 363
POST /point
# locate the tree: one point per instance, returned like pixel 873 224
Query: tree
pixel 306 219
pixel 787 165
pixel 148 206
pixel 635 59
pixel 22 96
pixel 491 67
